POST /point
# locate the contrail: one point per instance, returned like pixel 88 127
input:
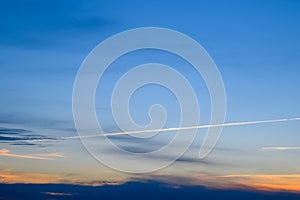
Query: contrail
pixel 183 128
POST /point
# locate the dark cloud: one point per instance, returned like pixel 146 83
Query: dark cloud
pixel 187 159
pixel 144 145
pixel 140 147
pixel 23 144
pixel 13 136
pixel 13 131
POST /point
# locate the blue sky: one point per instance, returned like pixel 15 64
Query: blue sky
pixel 255 44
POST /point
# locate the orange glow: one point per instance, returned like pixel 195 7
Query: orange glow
pixel 265 182
pixel 13 177
pixel 19 177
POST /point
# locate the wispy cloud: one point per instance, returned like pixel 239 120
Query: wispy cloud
pixel 23 137
pixel 58 194
pixel 279 148
pixel 48 156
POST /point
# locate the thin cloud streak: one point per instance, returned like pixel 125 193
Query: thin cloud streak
pixel 279 148
pixel 49 156
pixel 184 128
pixel 58 194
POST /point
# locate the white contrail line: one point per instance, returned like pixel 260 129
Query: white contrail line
pixel 183 128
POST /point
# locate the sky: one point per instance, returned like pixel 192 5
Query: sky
pixel 254 44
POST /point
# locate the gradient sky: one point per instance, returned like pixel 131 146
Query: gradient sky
pixel 255 44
